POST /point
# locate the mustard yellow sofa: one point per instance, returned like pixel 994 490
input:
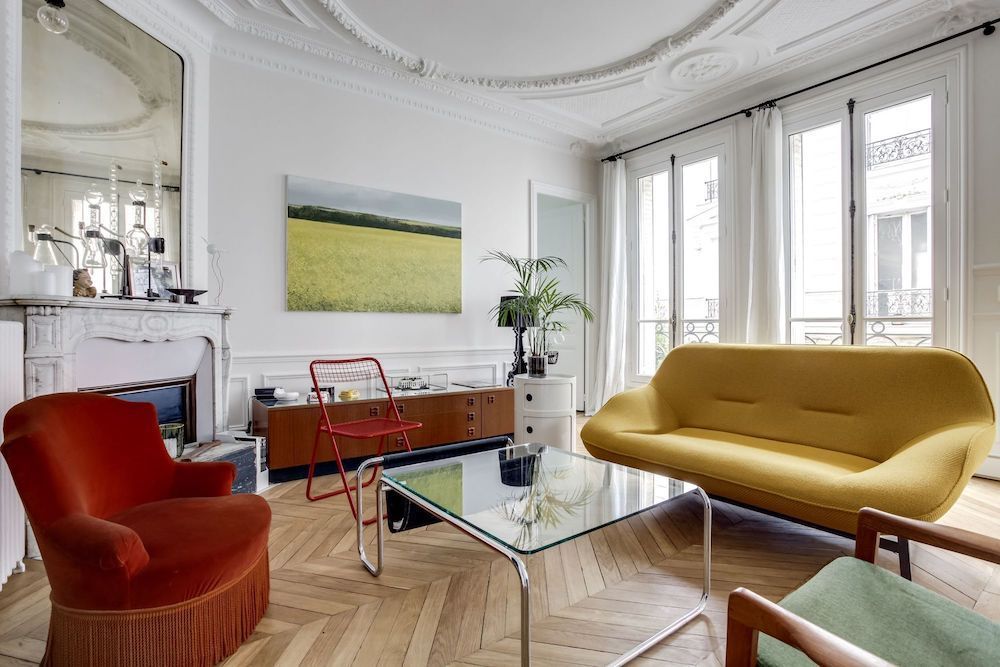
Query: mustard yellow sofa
pixel 814 433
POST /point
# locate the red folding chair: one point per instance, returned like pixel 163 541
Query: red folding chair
pixel 330 373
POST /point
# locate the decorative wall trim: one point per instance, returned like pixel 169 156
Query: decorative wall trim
pixel 666 47
pixel 492 369
pixel 239 388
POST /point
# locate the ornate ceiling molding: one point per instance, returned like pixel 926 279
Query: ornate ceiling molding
pixel 313 47
pixel 663 114
pixel 665 48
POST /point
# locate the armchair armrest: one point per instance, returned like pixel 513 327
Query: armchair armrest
pixel 210 478
pixel 872 522
pixel 96 543
pixel 938 463
pixel 641 410
pixel 750 614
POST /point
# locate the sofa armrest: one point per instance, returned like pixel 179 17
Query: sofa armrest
pixel 96 543
pixel 938 464
pixel 197 480
pixel 872 523
pixel 750 613
pixel 641 410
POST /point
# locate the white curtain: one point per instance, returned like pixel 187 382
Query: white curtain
pixel 766 279
pixel 609 375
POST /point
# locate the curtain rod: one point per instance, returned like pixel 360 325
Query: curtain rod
pixel 39 172
pixel 988 28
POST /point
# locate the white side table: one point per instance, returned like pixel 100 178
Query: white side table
pixel 545 410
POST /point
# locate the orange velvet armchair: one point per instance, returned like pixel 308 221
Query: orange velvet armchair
pixel 151 561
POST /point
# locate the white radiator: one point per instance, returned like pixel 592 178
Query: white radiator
pixel 12 532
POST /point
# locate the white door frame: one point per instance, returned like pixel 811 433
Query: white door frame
pixel 589 202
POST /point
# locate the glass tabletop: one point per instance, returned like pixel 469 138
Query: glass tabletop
pixel 532 497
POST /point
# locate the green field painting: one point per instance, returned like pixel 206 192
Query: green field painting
pixel 354 249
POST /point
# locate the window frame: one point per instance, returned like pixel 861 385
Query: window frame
pixel 941 75
pixel 719 143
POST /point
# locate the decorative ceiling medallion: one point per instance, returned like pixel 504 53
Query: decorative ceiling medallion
pixel 661 50
pixel 705 68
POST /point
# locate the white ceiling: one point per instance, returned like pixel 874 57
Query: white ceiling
pixel 595 70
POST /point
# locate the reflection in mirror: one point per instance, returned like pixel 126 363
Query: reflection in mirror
pixel 101 143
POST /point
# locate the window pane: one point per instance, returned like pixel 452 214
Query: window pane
pixel 897 269
pixel 653 346
pixel 654 271
pixel 816 215
pixel 700 239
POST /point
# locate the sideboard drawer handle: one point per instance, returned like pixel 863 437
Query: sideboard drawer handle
pixel 471 400
pixel 527 397
pixel 530 430
pixel 400 441
pixel 471 431
pixel 491 399
pixel 373 411
pixel 471 417
pixel 401 408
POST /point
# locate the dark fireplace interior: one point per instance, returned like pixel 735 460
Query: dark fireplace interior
pixel 173 399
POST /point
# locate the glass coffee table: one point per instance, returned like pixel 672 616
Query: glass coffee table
pixel 520 500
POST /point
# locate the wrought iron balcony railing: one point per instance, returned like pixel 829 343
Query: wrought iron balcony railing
pixel 899 303
pixel 712 190
pixel 898 148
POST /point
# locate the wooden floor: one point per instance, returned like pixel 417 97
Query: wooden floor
pixel 444 599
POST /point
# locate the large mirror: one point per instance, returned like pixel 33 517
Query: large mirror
pixel 101 146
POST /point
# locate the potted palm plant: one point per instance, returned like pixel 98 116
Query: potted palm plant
pixel 538 301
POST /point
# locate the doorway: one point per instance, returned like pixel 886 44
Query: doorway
pixel 561 227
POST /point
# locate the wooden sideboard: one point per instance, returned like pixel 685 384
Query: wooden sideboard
pixel 455 414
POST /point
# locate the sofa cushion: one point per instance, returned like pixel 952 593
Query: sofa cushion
pixel 787 469
pixel 895 619
pixel 195 545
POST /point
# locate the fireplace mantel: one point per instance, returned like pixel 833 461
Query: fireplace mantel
pixel 54 327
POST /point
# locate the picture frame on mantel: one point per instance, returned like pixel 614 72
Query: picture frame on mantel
pixel 164 275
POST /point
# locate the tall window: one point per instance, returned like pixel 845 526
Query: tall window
pixel 898 277
pixel 677 242
pixel 881 276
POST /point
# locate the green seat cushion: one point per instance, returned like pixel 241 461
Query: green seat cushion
pixel 881 612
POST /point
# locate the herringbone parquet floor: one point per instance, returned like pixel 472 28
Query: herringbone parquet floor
pixel 444 599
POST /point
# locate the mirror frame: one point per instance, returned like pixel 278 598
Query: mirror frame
pixel 194 51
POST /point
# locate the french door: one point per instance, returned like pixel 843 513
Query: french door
pixel 867 222
pixel 675 234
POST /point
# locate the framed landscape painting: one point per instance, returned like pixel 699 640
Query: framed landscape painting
pixel 354 249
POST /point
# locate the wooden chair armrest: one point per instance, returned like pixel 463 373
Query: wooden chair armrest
pixel 750 614
pixel 872 523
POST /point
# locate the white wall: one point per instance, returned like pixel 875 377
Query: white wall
pixel 265 125
pixel 984 211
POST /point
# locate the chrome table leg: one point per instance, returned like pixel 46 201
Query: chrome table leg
pixel 706 588
pixel 379 518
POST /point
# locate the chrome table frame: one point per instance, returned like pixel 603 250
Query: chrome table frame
pixel 516 558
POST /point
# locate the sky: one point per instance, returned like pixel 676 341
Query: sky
pixel 311 192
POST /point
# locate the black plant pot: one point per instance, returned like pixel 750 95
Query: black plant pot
pixel 517 470
pixel 536 365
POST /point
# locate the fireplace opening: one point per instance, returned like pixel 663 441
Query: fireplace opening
pixel 173 399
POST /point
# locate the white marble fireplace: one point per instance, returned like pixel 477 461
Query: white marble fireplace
pixel 59 330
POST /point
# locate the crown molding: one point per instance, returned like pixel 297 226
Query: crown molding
pixel 570 133
pixel 324 77
pixel 664 114
pixel 666 47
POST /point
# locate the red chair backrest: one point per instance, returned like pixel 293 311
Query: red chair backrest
pixel 81 452
pixel 331 372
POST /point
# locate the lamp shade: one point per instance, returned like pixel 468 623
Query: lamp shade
pixel 506 319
